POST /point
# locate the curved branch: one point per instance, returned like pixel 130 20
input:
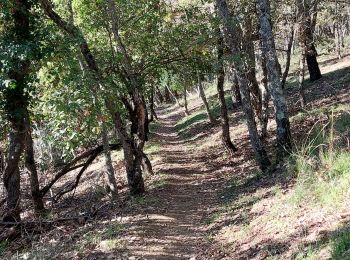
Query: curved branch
pixel 86 165
pixel 71 165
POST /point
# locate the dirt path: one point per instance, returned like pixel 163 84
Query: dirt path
pixel 172 228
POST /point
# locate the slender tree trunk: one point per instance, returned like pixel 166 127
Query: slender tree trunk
pixel 225 125
pixel 274 83
pixel 265 96
pixel 12 181
pixel 308 14
pixel 2 162
pixel 236 94
pixel 159 95
pixel 337 31
pixel 204 98
pixel 151 107
pixel 30 165
pixel 251 71
pixel 173 96
pixel 301 80
pixel 132 162
pixel 146 119
pixel 185 100
pixel 147 165
pixel 111 181
pixel 167 95
pixel 288 56
pixel 234 44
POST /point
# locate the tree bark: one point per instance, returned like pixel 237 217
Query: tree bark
pixel 12 181
pixel 132 162
pixel 249 50
pixel 265 96
pixel 307 15
pixel 147 165
pixel 167 95
pixel 151 106
pixel 234 45
pixel 111 181
pixel 274 83
pixel 288 56
pixel 72 165
pixel 338 40
pixel 185 101
pixel 225 125
pixel 301 80
pixel 159 95
pixel 236 94
pixel 16 103
pixel 31 166
pixel 2 162
pixel 204 98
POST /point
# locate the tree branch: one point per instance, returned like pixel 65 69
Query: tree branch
pixel 71 165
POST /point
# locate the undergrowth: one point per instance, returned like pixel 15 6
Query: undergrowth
pixel 319 169
pixel 321 165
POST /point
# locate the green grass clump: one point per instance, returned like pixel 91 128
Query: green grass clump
pixel 3 247
pixel 321 167
pixel 153 126
pixel 340 245
pixel 113 230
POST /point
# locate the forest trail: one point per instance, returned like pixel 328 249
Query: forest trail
pixel 173 229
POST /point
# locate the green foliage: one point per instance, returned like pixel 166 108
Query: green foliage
pixel 113 230
pixel 340 244
pixel 3 247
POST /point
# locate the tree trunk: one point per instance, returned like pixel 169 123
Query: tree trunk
pixel 274 83
pixel 338 40
pixel 234 44
pixel 236 94
pixel 301 80
pixel 251 71
pixel 288 56
pixel 151 107
pixel 185 101
pixel 111 181
pixel 2 162
pixel 204 98
pixel 30 165
pixel 16 103
pixel 307 24
pixel 173 96
pixel 159 95
pixel 167 95
pixel 147 165
pixel 265 96
pixel 146 119
pixel 12 181
pixel 133 160
pixel 225 125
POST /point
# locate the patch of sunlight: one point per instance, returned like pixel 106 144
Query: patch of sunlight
pixel 112 245
pixel 235 233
